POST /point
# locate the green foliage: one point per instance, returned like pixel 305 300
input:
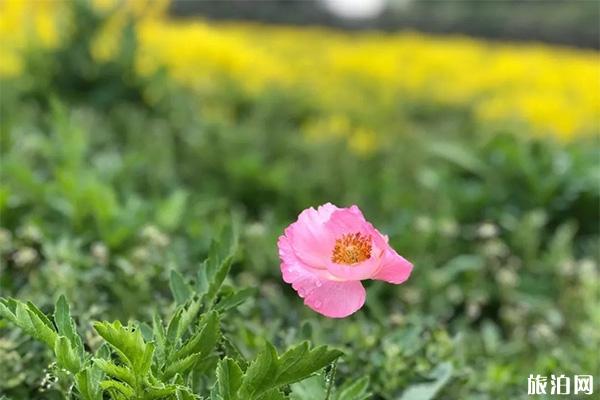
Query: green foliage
pixel 68 350
pixel 269 372
pixel 168 363
pixel 427 391
pixel 317 387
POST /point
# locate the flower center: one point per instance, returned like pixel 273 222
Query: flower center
pixel 351 248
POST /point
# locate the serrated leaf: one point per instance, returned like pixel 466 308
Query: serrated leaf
pixel 299 362
pixel 103 351
pixel 216 279
pixel 219 262
pixel 188 314
pixel 65 324
pixel 145 361
pixel 229 379
pixel 115 371
pixel 268 371
pixel 232 350
pixel 146 330
pixel 180 289
pixel 18 313
pixel 120 387
pixel 41 325
pixel 202 279
pixel 235 299
pixel 290 359
pixel 87 385
pixel 159 392
pixel 40 315
pixel 7 310
pixel 181 366
pixel 203 341
pixel 260 373
pixel 160 337
pixel 128 343
pixel 23 319
pixel 66 357
pixel 183 394
pixel 206 364
pixel 173 328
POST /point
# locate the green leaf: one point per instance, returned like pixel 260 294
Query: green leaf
pixel 309 388
pixel 66 357
pixel 427 391
pixel 104 351
pixel 268 371
pixel 144 363
pixel 206 365
pixel 354 390
pixel 260 374
pixel 173 328
pixel 273 394
pixel 128 343
pixel 232 350
pixel 7 310
pixel 182 291
pixel 181 366
pixel 120 387
pixel 188 314
pixel 87 385
pixel 115 371
pixel 24 320
pixel 147 332
pixel 160 337
pixel 203 341
pixel 40 315
pixel 41 325
pixel 202 279
pixel 159 392
pixel 229 379
pixel 184 393
pixel 235 299
pixel 299 363
pixel 65 324
pixel 221 269
pixel 219 262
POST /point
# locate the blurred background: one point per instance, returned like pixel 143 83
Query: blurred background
pixel 466 130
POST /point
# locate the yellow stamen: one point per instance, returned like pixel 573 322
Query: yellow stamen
pixel 351 249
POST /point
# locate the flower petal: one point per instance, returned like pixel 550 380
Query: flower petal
pixel 328 297
pixel 309 238
pixel 292 268
pixel 394 268
pixel 336 299
pixel 349 221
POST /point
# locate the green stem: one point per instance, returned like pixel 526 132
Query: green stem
pixel 331 378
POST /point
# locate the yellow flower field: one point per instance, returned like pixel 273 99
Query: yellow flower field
pixel 551 90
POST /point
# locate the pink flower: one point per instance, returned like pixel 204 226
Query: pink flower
pixel 328 251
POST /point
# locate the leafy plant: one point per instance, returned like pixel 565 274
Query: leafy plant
pixel 172 360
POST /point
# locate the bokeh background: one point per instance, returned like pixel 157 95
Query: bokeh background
pixel 466 130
